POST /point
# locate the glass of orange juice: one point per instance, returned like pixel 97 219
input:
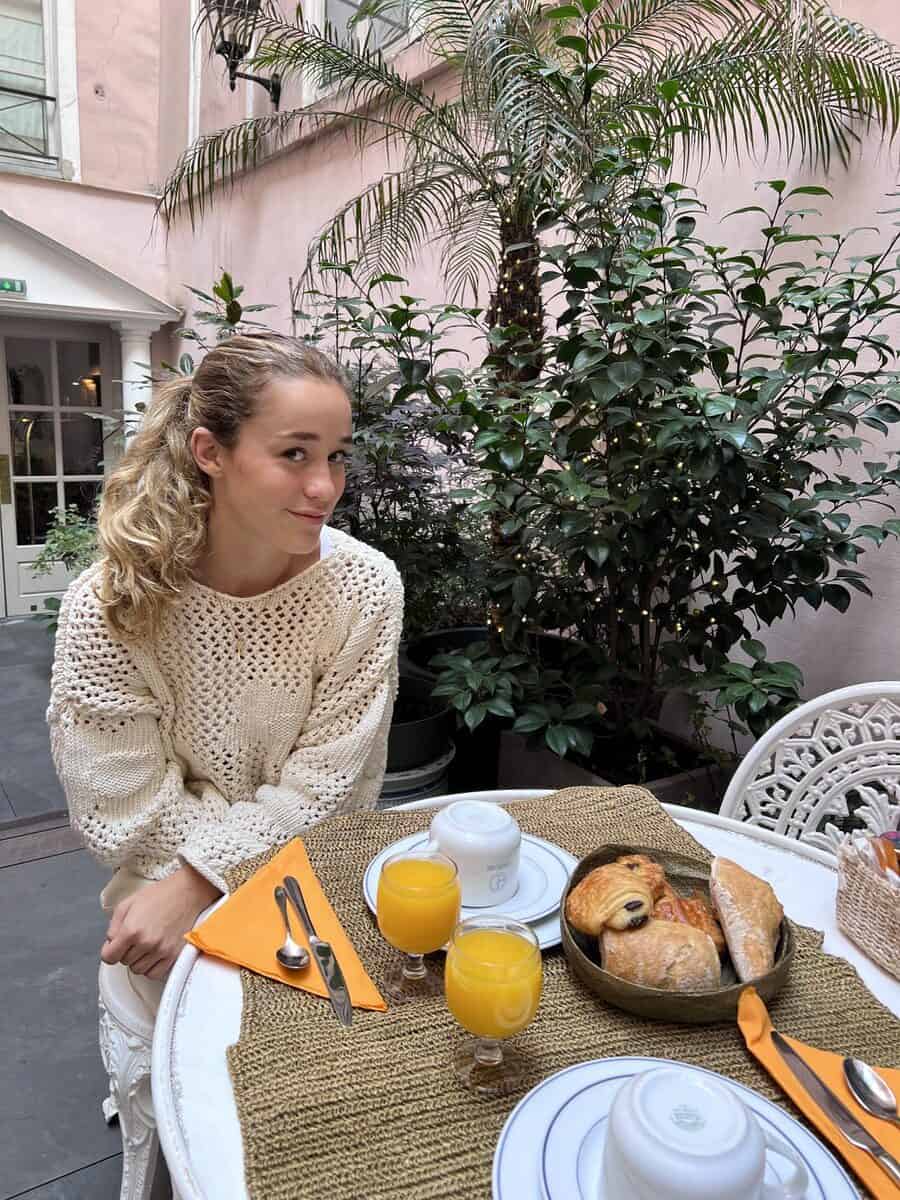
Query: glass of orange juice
pixel 492 979
pixel 417 908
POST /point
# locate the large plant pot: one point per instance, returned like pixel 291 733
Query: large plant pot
pixel 419 783
pixel 418 653
pixel 421 728
pixel 476 766
pixel 701 787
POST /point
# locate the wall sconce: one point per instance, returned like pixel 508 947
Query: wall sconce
pixel 233 23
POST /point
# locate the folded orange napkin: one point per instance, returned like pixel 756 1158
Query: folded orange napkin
pixel 247 930
pixel 756 1026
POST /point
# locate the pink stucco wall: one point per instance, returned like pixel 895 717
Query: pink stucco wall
pixel 118 92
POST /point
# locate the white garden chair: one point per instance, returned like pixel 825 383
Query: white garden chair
pixel 833 758
pixel 126 1035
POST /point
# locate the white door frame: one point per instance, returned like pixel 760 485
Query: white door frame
pixel 13 600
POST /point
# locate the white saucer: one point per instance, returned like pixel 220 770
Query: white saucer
pixel 551 1147
pixel 544 870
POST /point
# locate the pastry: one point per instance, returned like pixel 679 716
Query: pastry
pixel 693 910
pixel 663 954
pixel 645 868
pixel 610 895
pixel 750 915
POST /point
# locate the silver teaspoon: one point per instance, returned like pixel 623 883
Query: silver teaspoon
pixel 870 1090
pixel 290 955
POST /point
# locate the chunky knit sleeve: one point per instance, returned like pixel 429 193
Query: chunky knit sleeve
pixel 337 762
pixel 127 796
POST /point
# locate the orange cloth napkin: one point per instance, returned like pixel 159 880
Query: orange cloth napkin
pixel 247 930
pixel 756 1026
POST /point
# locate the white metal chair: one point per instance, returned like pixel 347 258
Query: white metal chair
pixel 126 1035
pixel 833 759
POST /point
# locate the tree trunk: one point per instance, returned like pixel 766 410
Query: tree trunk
pixel 516 302
pixel 517 298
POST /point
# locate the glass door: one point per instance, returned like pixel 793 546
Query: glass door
pixel 55 390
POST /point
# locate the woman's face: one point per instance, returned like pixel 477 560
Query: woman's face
pixel 280 483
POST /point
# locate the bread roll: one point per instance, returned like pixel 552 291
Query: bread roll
pixel 693 910
pixel 750 915
pixel 645 868
pixel 663 954
pixel 608 896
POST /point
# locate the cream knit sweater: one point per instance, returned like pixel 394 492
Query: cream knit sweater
pixel 242 723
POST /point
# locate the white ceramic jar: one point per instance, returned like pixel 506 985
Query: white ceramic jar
pixel 484 841
pixel 675 1133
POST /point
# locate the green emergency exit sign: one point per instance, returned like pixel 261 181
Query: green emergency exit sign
pixel 12 287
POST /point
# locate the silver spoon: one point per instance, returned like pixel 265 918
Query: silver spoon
pixel 291 956
pixel 870 1090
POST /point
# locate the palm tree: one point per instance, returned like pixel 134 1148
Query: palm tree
pixel 541 91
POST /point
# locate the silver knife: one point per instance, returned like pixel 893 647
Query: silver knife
pixel 322 952
pixel 855 1133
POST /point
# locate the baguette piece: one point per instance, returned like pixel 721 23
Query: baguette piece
pixel 663 954
pixel 750 915
pixel 609 895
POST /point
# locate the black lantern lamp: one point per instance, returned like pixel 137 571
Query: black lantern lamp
pixel 233 23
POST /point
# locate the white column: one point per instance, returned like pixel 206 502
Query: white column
pixel 135 369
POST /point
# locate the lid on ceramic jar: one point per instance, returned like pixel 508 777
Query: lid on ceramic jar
pixel 473 820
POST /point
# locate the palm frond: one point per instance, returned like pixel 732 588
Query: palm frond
pixel 471 249
pixel 628 36
pixel 391 220
pixel 763 82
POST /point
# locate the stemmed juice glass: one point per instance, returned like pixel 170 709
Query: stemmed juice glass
pixel 417 907
pixel 493 979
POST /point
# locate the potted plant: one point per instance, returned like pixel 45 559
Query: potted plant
pixel 674 479
pixel 407 460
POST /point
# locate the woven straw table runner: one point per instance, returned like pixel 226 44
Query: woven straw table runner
pixel 375 1111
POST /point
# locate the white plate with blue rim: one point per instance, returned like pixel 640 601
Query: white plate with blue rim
pixel 551 1147
pixel 544 870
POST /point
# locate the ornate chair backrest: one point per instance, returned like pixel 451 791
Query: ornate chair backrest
pixel 830 767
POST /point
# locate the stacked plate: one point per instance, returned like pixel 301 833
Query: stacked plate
pixel 544 871
pixel 551 1147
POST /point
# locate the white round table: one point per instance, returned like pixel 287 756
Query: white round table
pixel 200 1014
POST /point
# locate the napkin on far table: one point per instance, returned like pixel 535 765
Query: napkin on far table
pixel 756 1026
pixel 247 930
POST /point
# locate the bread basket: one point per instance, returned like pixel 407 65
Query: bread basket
pixel 693 1008
pixel 868 908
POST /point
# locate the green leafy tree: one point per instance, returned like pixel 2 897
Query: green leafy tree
pixel 696 462
pixel 406 456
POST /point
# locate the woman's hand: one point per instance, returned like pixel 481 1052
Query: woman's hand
pixel 147 930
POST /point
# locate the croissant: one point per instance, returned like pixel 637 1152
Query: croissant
pixel 693 910
pixel 663 954
pixel 645 868
pixel 750 915
pixel 610 895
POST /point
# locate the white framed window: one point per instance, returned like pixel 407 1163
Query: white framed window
pixel 38 88
pixel 378 32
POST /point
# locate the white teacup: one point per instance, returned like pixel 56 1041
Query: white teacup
pixel 483 840
pixel 675 1133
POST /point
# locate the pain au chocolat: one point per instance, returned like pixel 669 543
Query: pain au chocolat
pixel 609 896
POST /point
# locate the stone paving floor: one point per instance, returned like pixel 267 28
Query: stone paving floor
pixel 29 789
pixel 54 1142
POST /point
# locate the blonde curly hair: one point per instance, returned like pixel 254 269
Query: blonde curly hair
pixel 155 503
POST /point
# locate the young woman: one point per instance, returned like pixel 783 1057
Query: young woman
pixel 225 673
